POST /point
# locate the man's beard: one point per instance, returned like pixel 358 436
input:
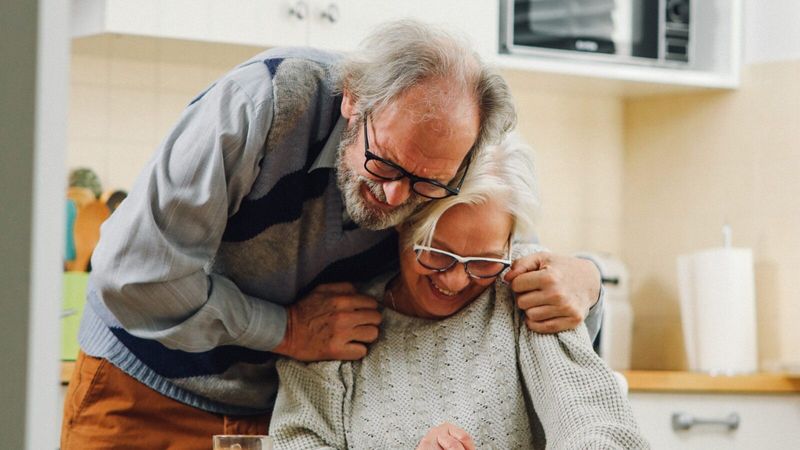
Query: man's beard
pixel 349 182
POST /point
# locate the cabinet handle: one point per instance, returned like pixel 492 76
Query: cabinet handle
pixel 331 13
pixel 685 421
pixel 298 10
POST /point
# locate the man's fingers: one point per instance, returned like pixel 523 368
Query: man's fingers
pixel 347 320
pixel 543 313
pixel 351 351
pixel 526 264
pixel 365 334
pixel 336 288
pixel 553 325
pixel 532 280
pixel 532 299
pixel 354 302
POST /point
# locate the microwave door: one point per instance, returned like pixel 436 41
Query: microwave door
pixel 579 25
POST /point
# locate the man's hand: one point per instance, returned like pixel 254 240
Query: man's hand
pixel 446 437
pixel 333 322
pixel 555 291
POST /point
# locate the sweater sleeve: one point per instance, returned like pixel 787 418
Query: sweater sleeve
pixel 309 409
pixel 149 264
pixel 575 395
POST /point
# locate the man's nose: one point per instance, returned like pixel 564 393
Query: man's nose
pixel 454 279
pixel 397 192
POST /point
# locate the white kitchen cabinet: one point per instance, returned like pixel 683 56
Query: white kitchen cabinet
pixel 356 18
pixel 342 24
pixel 247 22
pixel 268 23
pixel 766 421
pixel 331 24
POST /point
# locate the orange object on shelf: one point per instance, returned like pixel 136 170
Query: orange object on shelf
pixel 87 232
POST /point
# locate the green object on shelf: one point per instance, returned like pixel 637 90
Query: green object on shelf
pixel 86 178
pixel 74 292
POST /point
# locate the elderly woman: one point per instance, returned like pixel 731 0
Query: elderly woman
pixel 455 366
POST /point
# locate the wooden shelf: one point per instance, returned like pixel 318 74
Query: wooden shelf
pixel 66 371
pixel 665 381
pixel 673 381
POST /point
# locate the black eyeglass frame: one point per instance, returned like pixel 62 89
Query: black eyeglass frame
pixel 406 174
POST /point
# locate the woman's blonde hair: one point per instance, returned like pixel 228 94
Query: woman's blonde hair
pixel 503 174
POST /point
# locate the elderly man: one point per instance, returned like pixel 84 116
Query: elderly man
pixel 276 190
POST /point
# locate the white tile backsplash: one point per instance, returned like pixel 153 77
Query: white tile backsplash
pixel 132 115
pixel 132 73
pixel 127 92
pixel 89 111
pixel 89 69
pixel 127 155
pixel 184 77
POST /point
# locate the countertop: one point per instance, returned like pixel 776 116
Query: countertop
pixel 676 381
pixel 668 381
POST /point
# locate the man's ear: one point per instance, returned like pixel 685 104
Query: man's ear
pixel 348 104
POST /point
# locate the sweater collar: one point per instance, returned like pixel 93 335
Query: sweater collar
pixel 327 157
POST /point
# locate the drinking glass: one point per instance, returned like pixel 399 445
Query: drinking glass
pixel 242 442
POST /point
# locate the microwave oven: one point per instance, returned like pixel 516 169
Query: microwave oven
pixel 649 32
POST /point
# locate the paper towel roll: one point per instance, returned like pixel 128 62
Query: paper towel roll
pixel 717 294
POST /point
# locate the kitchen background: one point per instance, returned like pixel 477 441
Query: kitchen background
pixel 644 178
pixel 639 170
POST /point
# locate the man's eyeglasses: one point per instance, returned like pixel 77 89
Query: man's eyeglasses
pixel 476 267
pixel 387 170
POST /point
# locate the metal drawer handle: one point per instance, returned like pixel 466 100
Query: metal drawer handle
pixel 685 421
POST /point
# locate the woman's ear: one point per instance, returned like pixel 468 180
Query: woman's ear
pixel 348 107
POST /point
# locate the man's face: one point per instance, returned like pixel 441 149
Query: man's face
pixel 431 148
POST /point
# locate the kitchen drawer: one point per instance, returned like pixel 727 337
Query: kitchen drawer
pixel 765 421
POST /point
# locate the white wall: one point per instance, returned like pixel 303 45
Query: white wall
pixel 771 30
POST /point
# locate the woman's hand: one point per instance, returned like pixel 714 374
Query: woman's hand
pixel 446 437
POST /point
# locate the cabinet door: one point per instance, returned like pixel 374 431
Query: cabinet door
pixel 342 24
pixel 121 16
pixel 184 19
pixel 266 23
pixel 176 19
pixel 766 421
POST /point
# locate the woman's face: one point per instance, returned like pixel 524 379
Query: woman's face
pixel 466 230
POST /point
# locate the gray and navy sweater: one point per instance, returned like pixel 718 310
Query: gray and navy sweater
pixel 236 216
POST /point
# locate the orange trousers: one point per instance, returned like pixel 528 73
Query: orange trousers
pixel 105 408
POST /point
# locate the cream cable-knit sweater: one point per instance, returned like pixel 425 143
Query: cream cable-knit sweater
pixel 481 369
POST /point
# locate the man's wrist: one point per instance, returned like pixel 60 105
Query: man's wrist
pixel 599 278
pixel 284 347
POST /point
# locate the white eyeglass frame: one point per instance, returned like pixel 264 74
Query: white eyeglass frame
pixel 464 260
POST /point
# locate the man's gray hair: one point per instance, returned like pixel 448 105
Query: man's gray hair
pixel 399 55
pixel 504 175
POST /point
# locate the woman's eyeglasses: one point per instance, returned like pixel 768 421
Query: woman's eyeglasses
pixel 476 267
pixel 390 171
